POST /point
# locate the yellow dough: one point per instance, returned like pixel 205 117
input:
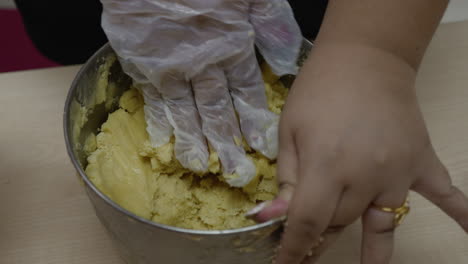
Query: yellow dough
pixel 151 183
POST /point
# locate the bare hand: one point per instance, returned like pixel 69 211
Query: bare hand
pixel 352 136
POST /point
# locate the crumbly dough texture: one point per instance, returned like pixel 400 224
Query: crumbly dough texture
pixel 151 183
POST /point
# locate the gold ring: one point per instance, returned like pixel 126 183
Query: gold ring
pixel 400 212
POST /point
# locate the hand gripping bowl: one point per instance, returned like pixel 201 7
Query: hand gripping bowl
pixel 140 241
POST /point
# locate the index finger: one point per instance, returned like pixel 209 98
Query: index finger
pixel 436 185
pixel 311 210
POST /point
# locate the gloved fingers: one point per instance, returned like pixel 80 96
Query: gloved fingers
pixel 166 36
pixel 259 125
pixel 157 125
pixel 277 34
pixel 220 125
pixel 190 145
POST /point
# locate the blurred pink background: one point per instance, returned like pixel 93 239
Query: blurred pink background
pixel 17 52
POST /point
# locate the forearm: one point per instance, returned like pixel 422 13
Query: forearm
pixel 400 28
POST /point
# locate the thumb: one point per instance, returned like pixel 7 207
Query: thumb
pixel 287 179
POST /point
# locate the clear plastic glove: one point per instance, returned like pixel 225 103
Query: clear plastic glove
pixel 195 64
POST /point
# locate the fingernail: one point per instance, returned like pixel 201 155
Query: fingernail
pixel 257 209
pixel 276 209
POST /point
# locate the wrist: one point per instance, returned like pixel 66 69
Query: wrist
pixel 363 61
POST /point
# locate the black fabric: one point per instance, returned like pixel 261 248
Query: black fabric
pixel 69 32
pixel 309 15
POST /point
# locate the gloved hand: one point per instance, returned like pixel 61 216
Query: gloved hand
pixel 195 64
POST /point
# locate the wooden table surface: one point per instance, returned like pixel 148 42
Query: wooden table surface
pixel 45 216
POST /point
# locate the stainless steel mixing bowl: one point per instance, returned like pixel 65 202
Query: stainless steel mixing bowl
pixel 139 240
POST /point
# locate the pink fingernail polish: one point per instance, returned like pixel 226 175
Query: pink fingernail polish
pixel 257 209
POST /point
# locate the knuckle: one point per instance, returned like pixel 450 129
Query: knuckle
pixel 446 194
pixel 306 226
